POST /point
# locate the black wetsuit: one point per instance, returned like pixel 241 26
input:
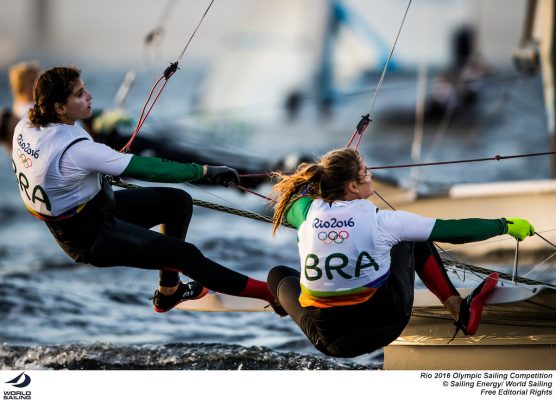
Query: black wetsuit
pixel 350 331
pixel 113 230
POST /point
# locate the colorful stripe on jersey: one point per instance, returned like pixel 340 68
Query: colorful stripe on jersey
pixel 48 218
pixel 320 299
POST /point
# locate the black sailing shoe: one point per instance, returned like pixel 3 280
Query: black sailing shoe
pixel 186 291
pixel 471 307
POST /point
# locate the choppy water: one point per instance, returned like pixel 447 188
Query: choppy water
pixel 56 314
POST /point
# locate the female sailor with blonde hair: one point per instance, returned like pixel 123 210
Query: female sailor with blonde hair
pixel 354 294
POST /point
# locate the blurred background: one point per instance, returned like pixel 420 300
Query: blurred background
pixel 262 85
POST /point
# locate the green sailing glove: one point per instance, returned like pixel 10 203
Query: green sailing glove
pixel 519 228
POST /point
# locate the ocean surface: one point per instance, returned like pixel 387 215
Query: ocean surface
pixel 56 314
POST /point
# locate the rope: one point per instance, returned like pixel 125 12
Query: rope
pixel 546 240
pixel 166 75
pixel 144 112
pixel 194 32
pixel 373 100
pixel 453 263
pixel 366 119
pixel 486 271
pixel 205 204
pixel 472 160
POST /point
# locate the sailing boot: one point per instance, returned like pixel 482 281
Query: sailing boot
pixel 186 291
pixel 471 307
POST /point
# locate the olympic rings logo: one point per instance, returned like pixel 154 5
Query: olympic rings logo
pixel 333 236
pixel 26 161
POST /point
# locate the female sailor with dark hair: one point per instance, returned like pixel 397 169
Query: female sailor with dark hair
pixel 354 294
pixel 60 172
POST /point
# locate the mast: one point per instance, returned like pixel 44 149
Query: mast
pixel 545 17
pixel 548 55
pixel 538 49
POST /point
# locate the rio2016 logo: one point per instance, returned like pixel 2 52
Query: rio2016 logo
pixel 333 236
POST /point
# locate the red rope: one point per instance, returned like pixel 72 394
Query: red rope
pixel 244 189
pixel 143 117
pixel 360 129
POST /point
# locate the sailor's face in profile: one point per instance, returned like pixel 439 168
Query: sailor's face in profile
pixel 365 182
pixel 78 105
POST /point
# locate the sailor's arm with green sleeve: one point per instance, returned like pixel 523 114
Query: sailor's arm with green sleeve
pixel 154 169
pixel 398 226
pixel 477 229
pixel 467 230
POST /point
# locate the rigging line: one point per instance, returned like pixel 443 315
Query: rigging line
pixel 167 74
pixel 429 164
pixel 454 259
pixel 251 215
pixel 144 112
pixel 450 113
pixel 502 275
pixel 373 100
pixel 384 200
pixel 235 211
pixel 246 190
pixel 546 240
pixel 194 32
pixel 472 160
pixel 487 242
pixel 366 119
pixel 212 206
pixel 540 265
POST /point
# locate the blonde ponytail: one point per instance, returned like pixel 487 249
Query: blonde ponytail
pixel 325 180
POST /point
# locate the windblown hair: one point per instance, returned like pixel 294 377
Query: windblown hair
pixel 324 179
pixel 53 86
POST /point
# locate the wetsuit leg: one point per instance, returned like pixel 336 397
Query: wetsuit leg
pixel 125 244
pixel 366 327
pixel 95 236
pixel 430 269
pixel 284 285
pixel 172 208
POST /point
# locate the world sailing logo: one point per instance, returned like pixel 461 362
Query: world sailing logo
pixel 26 380
pixel 20 381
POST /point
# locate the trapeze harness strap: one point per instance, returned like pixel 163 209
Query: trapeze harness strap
pixel 341 263
pixel 35 160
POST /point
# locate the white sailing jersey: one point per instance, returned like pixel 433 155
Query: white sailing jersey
pixel 344 249
pixel 37 154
